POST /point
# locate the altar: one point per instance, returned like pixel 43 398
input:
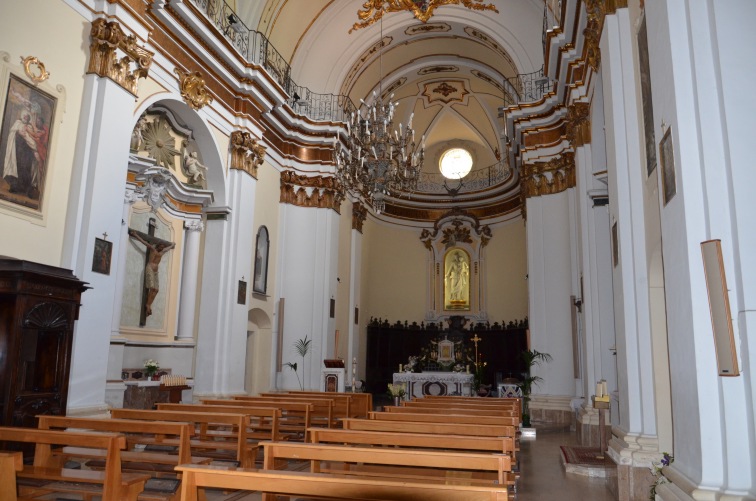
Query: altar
pixel 419 384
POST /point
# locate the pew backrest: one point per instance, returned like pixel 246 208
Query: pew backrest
pixel 445 418
pixel 437 428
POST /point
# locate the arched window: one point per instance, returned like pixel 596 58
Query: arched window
pixel 260 282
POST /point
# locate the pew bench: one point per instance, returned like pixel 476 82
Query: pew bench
pixel 445 418
pixel 453 410
pixel 325 411
pixel 293 483
pixel 362 403
pixel 10 464
pixel 46 476
pixel 296 416
pixel 234 447
pixel 427 427
pixel 413 465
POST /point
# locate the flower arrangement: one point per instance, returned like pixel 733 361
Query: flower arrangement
pixel 396 390
pixel 656 470
pixel 151 367
pixel 411 364
pixel 459 368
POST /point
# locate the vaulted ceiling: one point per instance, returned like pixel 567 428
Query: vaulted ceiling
pixel 448 71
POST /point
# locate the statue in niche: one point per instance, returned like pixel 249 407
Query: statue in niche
pixel 457 280
pixel 137 135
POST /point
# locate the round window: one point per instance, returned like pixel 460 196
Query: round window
pixel 455 163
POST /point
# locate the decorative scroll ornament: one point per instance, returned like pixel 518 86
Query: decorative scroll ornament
pixel 359 214
pixel 579 124
pixel 246 154
pixel 596 10
pixel 193 89
pixel 107 38
pixel 153 190
pixel 319 192
pixel 455 227
pixel 373 10
pixel 35 69
pixel 546 178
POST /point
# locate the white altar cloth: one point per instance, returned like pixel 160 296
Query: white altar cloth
pixel 420 384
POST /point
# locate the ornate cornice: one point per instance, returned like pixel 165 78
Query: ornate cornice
pixel 325 192
pixel 546 178
pixel 193 89
pixel 579 124
pixel 359 214
pixel 246 154
pixel 455 226
pixel 106 40
pixel 373 10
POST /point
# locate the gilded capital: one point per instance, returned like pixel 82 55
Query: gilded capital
pixel 246 154
pixel 193 89
pixel 359 214
pixel 546 178
pixel 319 192
pixel 112 54
pixel 596 10
pixel 579 124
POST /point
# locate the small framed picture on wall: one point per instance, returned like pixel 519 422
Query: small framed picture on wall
pixel 667 156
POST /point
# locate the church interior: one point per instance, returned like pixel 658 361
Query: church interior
pixel 244 197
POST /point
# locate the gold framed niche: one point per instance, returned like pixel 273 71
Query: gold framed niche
pixel 457 280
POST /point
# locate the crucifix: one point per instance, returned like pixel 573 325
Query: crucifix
pixel 475 340
pixel 156 249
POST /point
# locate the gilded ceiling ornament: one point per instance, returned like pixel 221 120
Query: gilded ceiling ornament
pixel 359 214
pixel 438 69
pixel 320 192
pixel 546 178
pixel 456 226
pixel 579 124
pixel 108 41
pixel 193 89
pixel 445 89
pixel 35 69
pixel 246 154
pixel 433 91
pixel 455 234
pixel 373 10
pixel 418 29
pixel 159 142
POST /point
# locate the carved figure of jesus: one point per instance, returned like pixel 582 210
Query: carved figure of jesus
pixel 151 280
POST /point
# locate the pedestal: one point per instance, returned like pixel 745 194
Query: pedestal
pixel 602 406
pixel 332 379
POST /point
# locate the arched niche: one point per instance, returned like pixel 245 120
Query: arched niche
pixel 455 255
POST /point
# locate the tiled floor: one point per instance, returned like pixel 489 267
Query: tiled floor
pixel 542 475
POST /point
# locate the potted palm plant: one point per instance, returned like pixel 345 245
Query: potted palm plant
pixel 530 358
pixel 302 347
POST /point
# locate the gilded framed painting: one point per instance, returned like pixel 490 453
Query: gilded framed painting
pixel 25 132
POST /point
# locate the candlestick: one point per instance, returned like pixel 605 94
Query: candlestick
pixel 400 367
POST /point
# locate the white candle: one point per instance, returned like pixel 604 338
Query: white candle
pixel 400 367
pixel 604 391
pixel 598 389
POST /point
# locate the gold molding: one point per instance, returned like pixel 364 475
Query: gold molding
pixel 579 124
pixel 108 37
pixel 246 154
pixel 373 10
pixel 193 89
pixel 325 191
pixel 596 10
pixel 359 214
pixel 547 178
pixel 41 73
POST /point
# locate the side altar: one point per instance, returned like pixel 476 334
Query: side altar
pixel 435 383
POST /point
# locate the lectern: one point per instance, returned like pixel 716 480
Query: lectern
pixel 38 307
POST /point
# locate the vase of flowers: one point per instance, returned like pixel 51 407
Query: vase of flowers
pixel 397 392
pixel 150 368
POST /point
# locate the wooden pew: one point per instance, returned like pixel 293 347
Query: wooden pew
pixel 293 483
pixel 296 416
pixel 414 465
pixel 437 428
pixel 362 403
pixel 325 412
pixel 445 418
pixel 517 402
pixel 47 476
pixel 235 448
pixel 504 445
pixel 10 463
pixel 451 410
pixel 264 422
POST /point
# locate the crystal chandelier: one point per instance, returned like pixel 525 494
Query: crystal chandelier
pixel 378 160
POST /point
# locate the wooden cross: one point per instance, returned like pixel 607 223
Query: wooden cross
pixel 475 340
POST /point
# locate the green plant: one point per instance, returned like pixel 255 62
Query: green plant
pixel 530 358
pixel 656 470
pixel 151 367
pixel 396 390
pixel 302 347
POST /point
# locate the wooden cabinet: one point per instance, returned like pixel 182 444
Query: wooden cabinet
pixel 38 307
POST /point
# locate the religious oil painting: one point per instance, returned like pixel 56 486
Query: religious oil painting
pixel 646 98
pixel 457 280
pixel 241 293
pixel 667 155
pixel 24 143
pixel 103 250
pixel 260 279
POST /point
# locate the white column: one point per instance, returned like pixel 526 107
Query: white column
pixel 354 297
pixel 189 279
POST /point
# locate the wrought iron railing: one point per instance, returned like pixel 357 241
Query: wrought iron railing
pixel 480 179
pixel 552 17
pixel 526 88
pixel 255 48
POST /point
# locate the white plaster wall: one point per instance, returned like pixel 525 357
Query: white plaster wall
pixel 344 313
pixel 506 268
pixel 549 282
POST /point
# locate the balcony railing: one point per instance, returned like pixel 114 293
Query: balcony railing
pixel 552 17
pixel 255 48
pixel 480 179
pixel 526 88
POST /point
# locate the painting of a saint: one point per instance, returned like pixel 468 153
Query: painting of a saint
pixel 24 143
pixel 457 280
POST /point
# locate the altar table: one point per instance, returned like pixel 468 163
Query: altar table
pixel 420 384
